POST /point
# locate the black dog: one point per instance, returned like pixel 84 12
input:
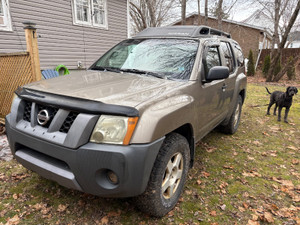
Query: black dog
pixel 282 99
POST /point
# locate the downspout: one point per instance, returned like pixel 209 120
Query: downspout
pixel 128 20
pixel 260 50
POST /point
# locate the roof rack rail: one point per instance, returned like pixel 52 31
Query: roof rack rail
pixel 211 31
pixel 181 31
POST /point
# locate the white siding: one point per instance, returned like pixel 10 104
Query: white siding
pixel 61 42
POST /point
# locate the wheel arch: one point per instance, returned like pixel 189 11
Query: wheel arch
pixel 187 131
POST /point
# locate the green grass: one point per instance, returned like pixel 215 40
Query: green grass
pixel 234 178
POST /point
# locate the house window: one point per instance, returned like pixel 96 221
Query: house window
pixel 90 13
pixel 5 22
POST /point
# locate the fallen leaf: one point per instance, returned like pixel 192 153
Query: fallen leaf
pixel 292 148
pixel 228 167
pixel 14 220
pixel 268 217
pixel 295 161
pixel 104 220
pixel 205 174
pixel 252 222
pixel 242 209
pixel 213 213
pixel 61 208
pixel 254 217
pixel 199 182
pixel 15 196
pixel 223 207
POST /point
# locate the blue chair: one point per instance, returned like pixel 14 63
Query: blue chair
pixel 48 74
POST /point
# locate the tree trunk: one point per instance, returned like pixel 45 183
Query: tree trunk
pixel 219 11
pixel 183 12
pixel 199 16
pixel 206 12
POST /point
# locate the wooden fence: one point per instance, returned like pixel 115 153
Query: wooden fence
pixel 286 54
pixel 17 69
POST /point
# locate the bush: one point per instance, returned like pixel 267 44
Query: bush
pixel 266 65
pixel 250 65
pixel 277 68
pixel 291 71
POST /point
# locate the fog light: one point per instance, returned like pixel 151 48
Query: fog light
pixel 112 177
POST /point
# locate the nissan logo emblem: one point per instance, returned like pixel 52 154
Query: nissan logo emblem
pixel 43 117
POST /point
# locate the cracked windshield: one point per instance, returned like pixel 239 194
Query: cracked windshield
pixel 163 58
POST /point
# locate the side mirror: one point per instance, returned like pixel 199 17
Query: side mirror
pixel 217 73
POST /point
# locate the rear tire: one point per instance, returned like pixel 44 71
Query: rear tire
pixel 234 120
pixel 167 178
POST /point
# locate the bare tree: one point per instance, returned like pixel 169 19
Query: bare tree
pixel 199 16
pixel 206 12
pixel 289 9
pixel 183 12
pixel 149 13
pixel 221 10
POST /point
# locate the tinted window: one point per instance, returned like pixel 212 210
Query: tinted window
pixel 212 58
pixel 239 54
pixel 226 49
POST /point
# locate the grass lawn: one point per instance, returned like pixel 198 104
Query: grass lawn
pixel 252 177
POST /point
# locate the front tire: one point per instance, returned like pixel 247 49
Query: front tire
pixel 167 178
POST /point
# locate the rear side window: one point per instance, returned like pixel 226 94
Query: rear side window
pixel 239 54
pixel 227 51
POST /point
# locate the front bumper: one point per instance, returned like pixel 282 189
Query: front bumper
pixel 85 168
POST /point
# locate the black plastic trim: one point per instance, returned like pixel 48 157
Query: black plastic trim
pixel 75 104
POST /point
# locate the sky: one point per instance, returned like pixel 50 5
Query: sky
pixel 238 13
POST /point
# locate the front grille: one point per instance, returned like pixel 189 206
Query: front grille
pixel 66 125
pixel 27 111
pixel 68 122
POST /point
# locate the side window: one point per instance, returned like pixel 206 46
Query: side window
pixel 239 55
pixel 91 13
pixel 226 49
pixel 212 58
pixel 5 21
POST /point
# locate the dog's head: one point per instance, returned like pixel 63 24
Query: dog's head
pixel 291 91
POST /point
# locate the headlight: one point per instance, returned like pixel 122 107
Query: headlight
pixel 114 129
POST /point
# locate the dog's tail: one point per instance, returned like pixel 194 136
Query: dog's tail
pixel 268 90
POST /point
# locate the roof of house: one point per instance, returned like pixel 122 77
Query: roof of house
pixel 261 19
pixel 261 28
pixel 294 36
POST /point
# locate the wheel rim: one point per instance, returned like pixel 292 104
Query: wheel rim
pixel 172 176
pixel 236 115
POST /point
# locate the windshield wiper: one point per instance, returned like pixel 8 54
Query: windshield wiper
pixel 106 68
pixel 144 72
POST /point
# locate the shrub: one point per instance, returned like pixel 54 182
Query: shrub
pixel 250 65
pixel 277 68
pixel 291 71
pixel 266 65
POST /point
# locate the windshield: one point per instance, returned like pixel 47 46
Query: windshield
pixel 163 58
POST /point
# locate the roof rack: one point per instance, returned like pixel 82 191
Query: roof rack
pixel 181 31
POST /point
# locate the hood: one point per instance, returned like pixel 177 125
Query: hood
pixel 125 89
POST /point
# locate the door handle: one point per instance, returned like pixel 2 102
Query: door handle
pixel 224 87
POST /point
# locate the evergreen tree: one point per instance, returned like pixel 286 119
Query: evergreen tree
pixel 291 71
pixel 250 65
pixel 266 66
